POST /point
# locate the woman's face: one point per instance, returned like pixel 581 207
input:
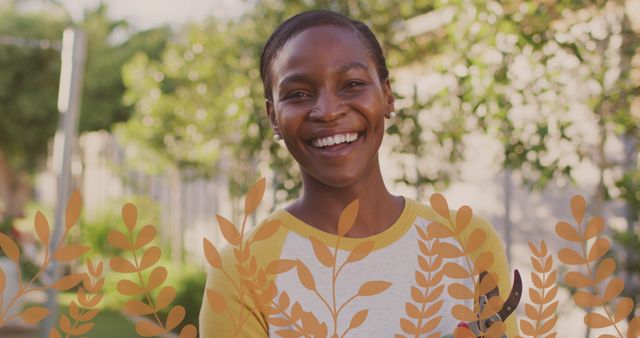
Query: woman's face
pixel 329 104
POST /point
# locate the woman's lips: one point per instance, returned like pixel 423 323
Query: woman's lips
pixel 336 150
pixel 339 138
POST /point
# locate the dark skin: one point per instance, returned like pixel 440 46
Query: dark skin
pixel 325 83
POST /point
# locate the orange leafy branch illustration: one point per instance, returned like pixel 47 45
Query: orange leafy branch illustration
pixel 597 288
pixel 542 309
pixel 62 252
pixel 82 312
pixel 329 259
pixel 299 323
pixel 472 268
pixel 144 259
pixel 428 278
pixel 252 281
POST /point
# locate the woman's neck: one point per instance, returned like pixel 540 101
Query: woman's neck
pixel 320 205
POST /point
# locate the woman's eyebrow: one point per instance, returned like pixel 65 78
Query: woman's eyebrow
pixel 300 77
pixel 352 65
pixel 297 77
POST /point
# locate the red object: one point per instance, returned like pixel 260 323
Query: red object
pixel 463 324
pixel 16 234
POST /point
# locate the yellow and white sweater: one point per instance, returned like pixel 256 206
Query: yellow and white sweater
pixel 392 265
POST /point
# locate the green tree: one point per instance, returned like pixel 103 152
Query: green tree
pixel 178 117
pixel 103 91
pixel 29 79
pixel 29 76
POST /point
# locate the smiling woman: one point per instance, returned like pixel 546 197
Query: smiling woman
pixel 327 96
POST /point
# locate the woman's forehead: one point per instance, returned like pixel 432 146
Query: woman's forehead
pixel 321 46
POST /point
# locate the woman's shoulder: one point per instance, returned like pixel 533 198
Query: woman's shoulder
pixel 263 240
pixel 463 214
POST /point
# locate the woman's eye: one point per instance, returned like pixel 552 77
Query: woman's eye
pixel 354 83
pixel 295 95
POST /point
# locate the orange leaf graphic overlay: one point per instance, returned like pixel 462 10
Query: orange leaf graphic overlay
pixel 305 276
pixel 150 257
pixel 148 329
pixel 211 254
pixel 9 247
pixel 373 288
pixel 34 314
pixel 439 204
pixel 463 217
pixel 595 226
pixel 358 319
pixel 361 251
pixel 348 218
pixel 280 266
pixel 156 278
pixel 42 228
pixel 74 205
pixel 70 252
pixel 541 312
pixel 254 196
pixel 122 265
pixel 466 249
pixel 88 301
pixel 266 230
pixel 322 252
pixel 463 332
pixel 188 331
pixel 578 208
pixel 567 232
pixel 144 258
pixel 69 281
pixel 12 251
pixel 591 294
pixel 437 230
pixel 137 307
pixel 216 301
pixel 145 236
pixel 175 316
pixel 430 262
pixel 129 216
pixel 229 231
pixel 119 240
pixel 166 295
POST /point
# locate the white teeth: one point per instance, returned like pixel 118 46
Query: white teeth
pixel 335 139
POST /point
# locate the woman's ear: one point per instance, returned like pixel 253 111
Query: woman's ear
pixel 271 114
pixel 272 119
pixel 388 93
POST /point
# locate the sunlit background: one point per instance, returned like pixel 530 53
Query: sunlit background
pixel 509 107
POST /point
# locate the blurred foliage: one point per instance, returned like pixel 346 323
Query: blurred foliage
pixel 29 77
pixel 29 80
pixel 207 116
pixel 189 281
pixel 628 258
pixel 111 44
pixel 520 72
pixel 552 81
pixel 93 231
pixel 28 268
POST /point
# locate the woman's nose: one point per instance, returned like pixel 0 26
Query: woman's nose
pixel 328 107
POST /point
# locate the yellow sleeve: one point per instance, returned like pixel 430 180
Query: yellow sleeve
pixel 235 313
pixel 493 244
pixel 500 264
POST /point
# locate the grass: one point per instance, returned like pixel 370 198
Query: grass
pixel 109 324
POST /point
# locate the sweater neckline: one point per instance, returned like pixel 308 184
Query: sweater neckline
pixel 381 239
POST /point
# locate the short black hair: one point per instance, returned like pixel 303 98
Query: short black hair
pixel 302 21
